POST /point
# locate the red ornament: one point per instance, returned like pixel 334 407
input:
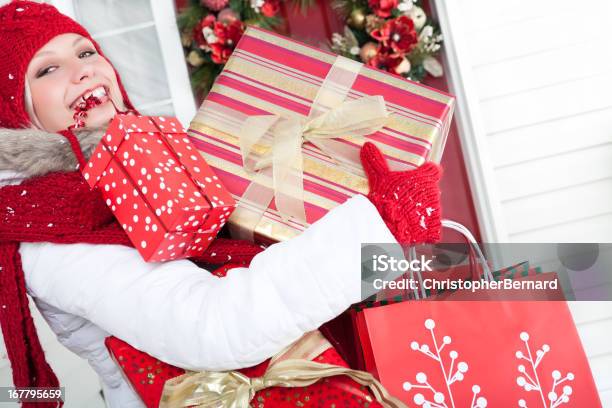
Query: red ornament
pixel 382 8
pixel 270 8
pixel 207 23
pixel 386 60
pixel 227 37
pixel 218 37
pixel 215 5
pixel 398 34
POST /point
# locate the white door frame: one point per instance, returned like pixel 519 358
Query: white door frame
pixel 471 129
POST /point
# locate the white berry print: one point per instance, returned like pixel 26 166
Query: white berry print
pixel 451 374
pixel 529 383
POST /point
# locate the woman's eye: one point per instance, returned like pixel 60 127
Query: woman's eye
pixel 46 71
pixel 86 54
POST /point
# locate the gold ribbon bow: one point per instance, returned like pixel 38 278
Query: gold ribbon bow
pixel 289 368
pixel 271 145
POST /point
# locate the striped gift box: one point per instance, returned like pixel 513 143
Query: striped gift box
pixel 271 74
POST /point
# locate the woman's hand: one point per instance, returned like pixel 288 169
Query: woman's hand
pixel 408 201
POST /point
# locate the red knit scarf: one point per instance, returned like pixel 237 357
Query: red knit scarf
pixel 60 208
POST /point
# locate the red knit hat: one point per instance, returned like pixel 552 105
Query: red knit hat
pixel 25 27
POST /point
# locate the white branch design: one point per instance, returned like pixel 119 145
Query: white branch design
pixel 450 376
pixel 530 383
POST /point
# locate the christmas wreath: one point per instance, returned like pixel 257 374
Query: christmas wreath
pixel 210 29
pixel 393 35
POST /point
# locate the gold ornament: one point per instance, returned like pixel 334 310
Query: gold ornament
pixel 403 67
pixel 186 39
pixel 373 22
pixel 357 18
pixel 228 16
pixel 194 59
pixel 368 51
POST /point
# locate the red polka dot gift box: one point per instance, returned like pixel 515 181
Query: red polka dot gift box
pixel 168 200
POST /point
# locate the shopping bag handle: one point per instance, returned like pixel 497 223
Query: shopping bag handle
pixel 463 230
pixel 475 249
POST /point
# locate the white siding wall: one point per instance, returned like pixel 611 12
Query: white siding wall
pixel 543 77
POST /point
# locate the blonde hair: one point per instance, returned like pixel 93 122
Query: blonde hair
pixel 29 105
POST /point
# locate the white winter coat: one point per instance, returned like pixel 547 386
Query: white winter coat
pixel 185 316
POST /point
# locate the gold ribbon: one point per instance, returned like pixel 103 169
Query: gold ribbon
pixel 271 145
pixel 292 367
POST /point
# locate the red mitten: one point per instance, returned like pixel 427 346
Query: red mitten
pixel 408 201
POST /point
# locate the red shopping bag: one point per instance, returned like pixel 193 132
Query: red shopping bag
pixel 477 354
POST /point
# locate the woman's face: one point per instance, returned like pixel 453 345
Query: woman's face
pixel 67 69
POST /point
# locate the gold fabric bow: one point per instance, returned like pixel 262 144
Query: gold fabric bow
pixel 285 136
pixel 289 368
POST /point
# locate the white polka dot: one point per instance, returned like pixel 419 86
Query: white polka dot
pixel 118 200
pixel 126 155
pixel 108 201
pixel 154 227
pixel 196 169
pixel 135 218
pixel 86 175
pixel 106 187
pixel 109 137
pixel 148 219
pixel 143 171
pixel 158 212
pixel 143 244
pixel 170 203
pixel 208 179
pixel 132 162
pixel 144 190
pixel 114 185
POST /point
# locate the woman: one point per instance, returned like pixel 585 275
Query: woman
pixel 174 311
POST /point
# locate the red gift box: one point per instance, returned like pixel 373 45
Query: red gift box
pixel 147 376
pixel 161 190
